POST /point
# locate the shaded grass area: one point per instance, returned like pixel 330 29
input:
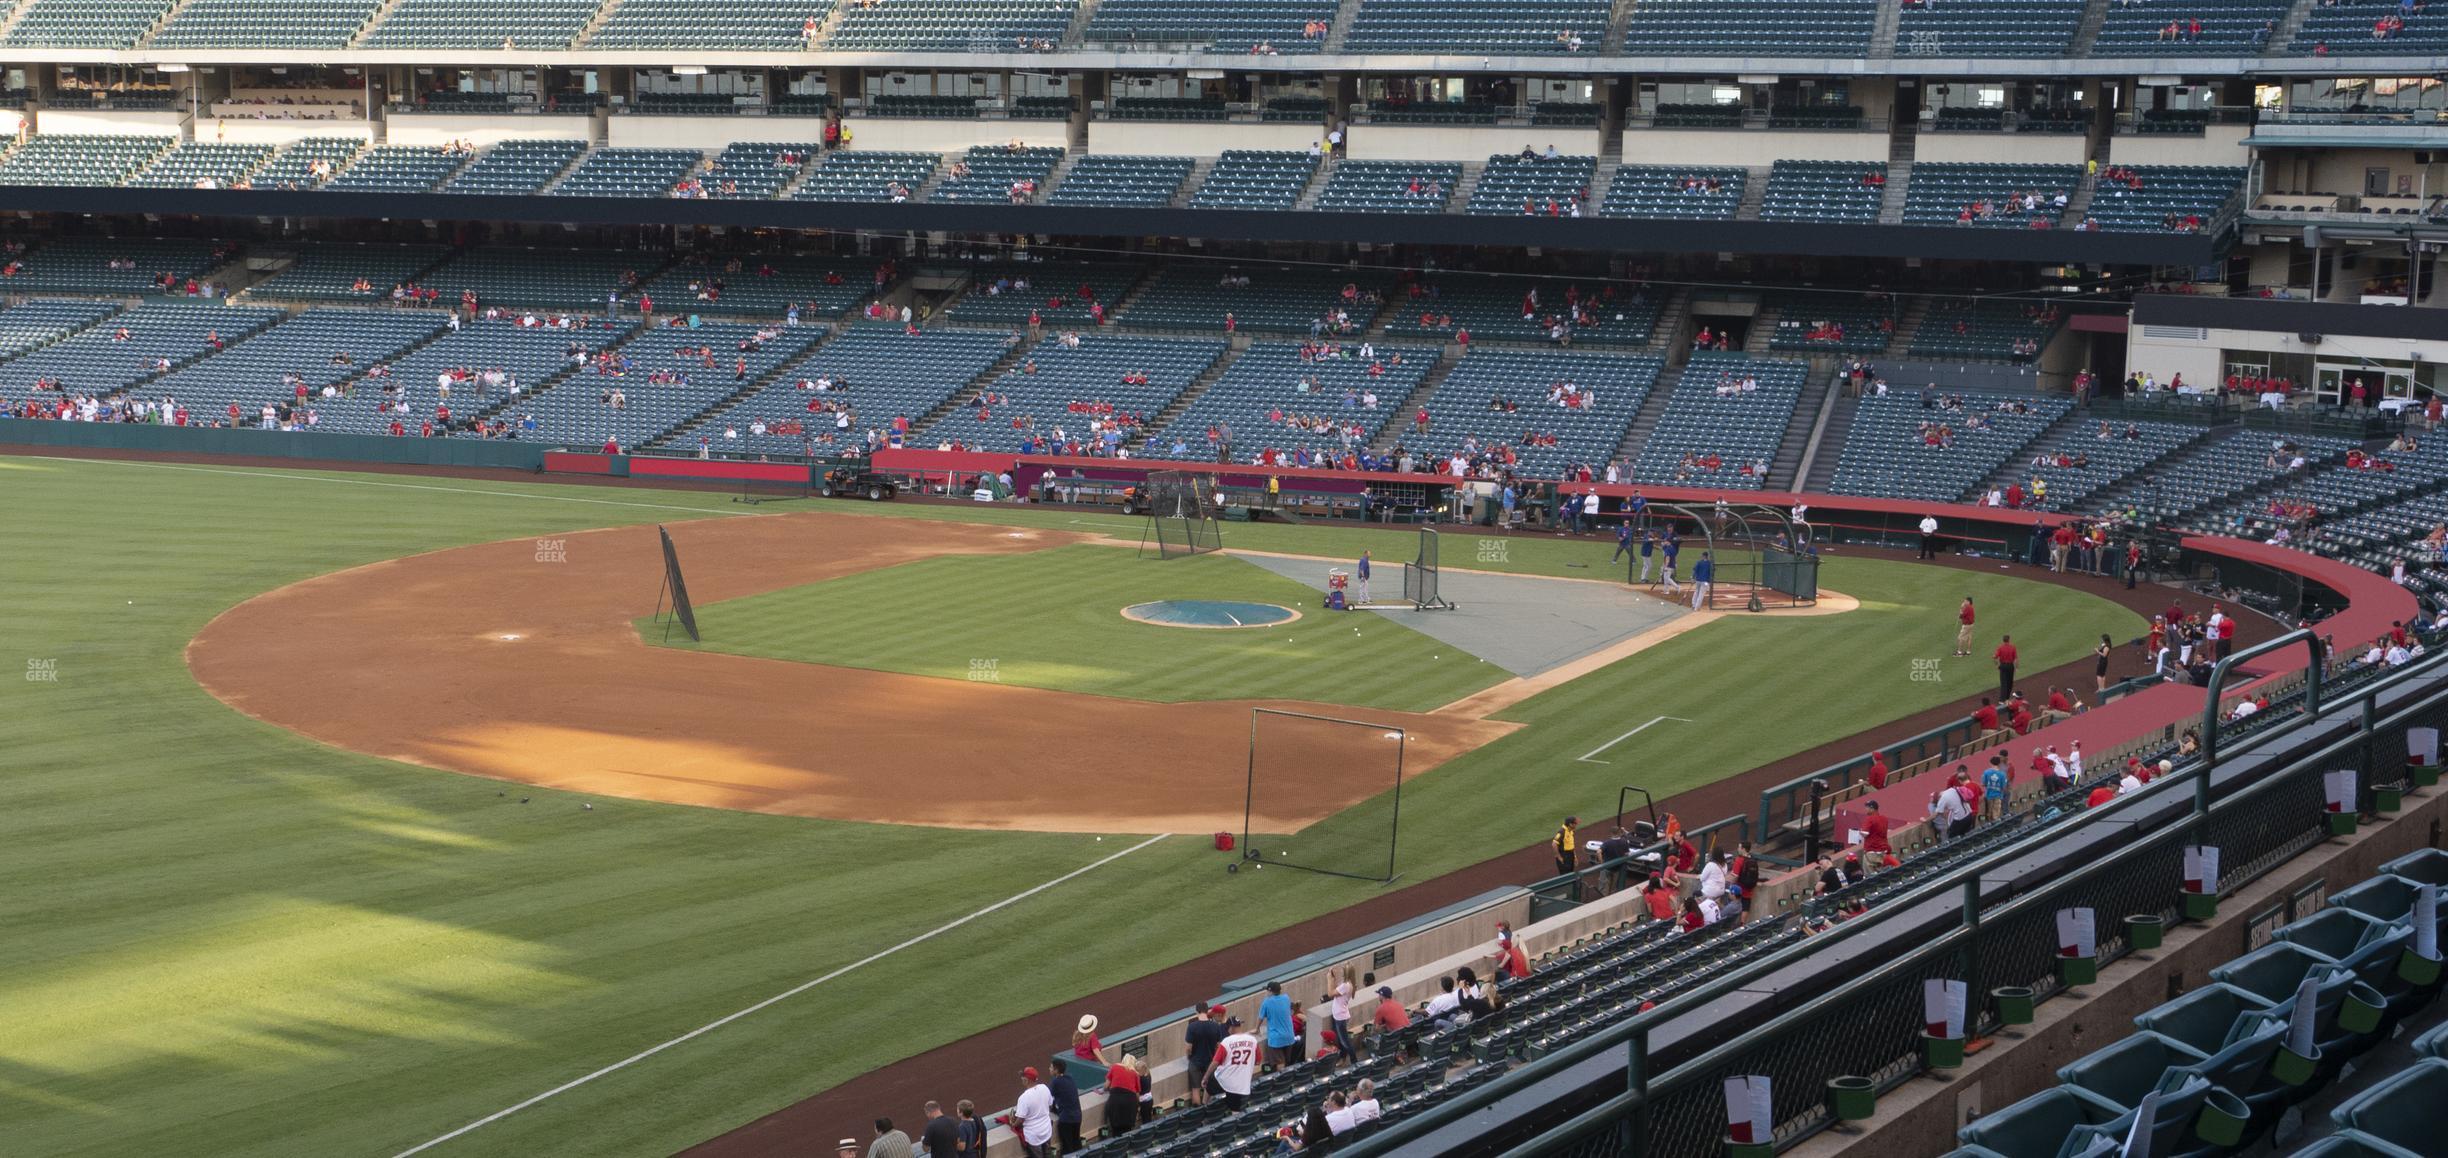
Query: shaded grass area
pixel 226 939
pixel 1052 619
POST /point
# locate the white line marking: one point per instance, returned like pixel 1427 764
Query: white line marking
pixel 777 998
pixel 1585 757
pixel 365 482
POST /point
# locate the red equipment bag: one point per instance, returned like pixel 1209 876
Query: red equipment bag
pixel 1224 842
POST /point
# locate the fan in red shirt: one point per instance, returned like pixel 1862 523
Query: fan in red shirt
pixel 1986 715
pixel 1874 835
pixel 1878 770
pixel 2057 701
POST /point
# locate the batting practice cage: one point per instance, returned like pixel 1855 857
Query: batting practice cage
pixel 1420 577
pixel 1763 557
pixel 1182 515
pixel 1290 752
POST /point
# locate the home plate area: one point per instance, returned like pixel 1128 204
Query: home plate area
pixel 1524 624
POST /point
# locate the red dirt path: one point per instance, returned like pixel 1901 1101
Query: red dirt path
pixel 489 661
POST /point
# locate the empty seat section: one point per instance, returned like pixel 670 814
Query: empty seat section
pixel 132 347
pixel 1987 195
pixel 1833 323
pixel 1294 399
pixel 1090 397
pixel 308 163
pixel 1900 448
pixel 42 321
pixel 1256 179
pixel 308 351
pixel 1706 192
pixel 200 165
pixel 516 167
pixel 1060 294
pixel 555 279
pixel 1258 298
pixel 1441 306
pixel 736 25
pixel 347 272
pixel 77 159
pixel 923 106
pixel 2355 29
pixel 991 173
pixel 396 169
pixel 1110 180
pixel 1538 413
pixel 1390 187
pixel 1166 109
pixel 608 172
pixel 2228 29
pixel 749 170
pixel 122 267
pixel 1832 191
pixel 1722 422
pixel 2227 466
pixel 952 25
pixel 1989 28
pixel 2162 198
pixel 1223 25
pixel 854 386
pixel 1990 329
pixel 265 23
pixel 765 286
pixel 859 176
pixel 84 23
pixel 1533 27
pixel 1512 185
pixel 1750 28
pixel 667 375
pixel 470 24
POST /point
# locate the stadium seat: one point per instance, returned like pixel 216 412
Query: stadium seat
pixel 879 373
pixel 2403 1110
pixel 1512 186
pixel 72 159
pixel 516 167
pixel 1702 192
pixel 1222 25
pixel 2158 198
pixel 469 24
pixel 1984 195
pixel 83 265
pixel 2043 28
pixel 1256 179
pixel 309 349
pixel 307 163
pixel 325 24
pixel 1390 187
pixel 2230 29
pixel 396 169
pixel 1440 306
pixel 1750 28
pixel 1543 435
pixel 84 23
pixel 734 25
pixel 709 363
pixel 1276 300
pixel 130 347
pixel 864 176
pixel 1830 191
pixel 1273 397
pixel 993 173
pixel 1709 413
pixel 1533 28
pixel 609 172
pixel 331 272
pixel 1887 453
pixel 1045 404
pixel 949 26
pixel 1107 179
pixel 766 286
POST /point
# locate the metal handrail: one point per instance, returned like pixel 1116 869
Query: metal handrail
pixel 1632 1033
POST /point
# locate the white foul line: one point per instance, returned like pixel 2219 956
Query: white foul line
pixel 1585 757
pixel 710 1026
pixel 367 482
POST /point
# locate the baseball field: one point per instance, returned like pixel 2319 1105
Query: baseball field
pixel 356 814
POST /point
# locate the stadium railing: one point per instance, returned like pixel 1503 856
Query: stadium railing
pixel 1989 923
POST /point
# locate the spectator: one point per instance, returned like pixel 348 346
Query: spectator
pixel 1443 1006
pixel 1616 853
pixel 1084 1043
pixel 1121 1097
pixel 1066 1108
pixel 1033 1116
pixel 1236 1063
pixel 1338 1012
pixel 1203 1036
pixel 1275 1013
pixel 1390 1015
pixel 941 1136
pixel 1875 841
pixel 1660 898
pixel 890 1143
pixel 1509 960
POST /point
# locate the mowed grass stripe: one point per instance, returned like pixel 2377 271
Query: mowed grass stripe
pixel 1052 619
pixel 467 952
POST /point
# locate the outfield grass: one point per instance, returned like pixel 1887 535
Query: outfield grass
pixel 1052 619
pixel 226 939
